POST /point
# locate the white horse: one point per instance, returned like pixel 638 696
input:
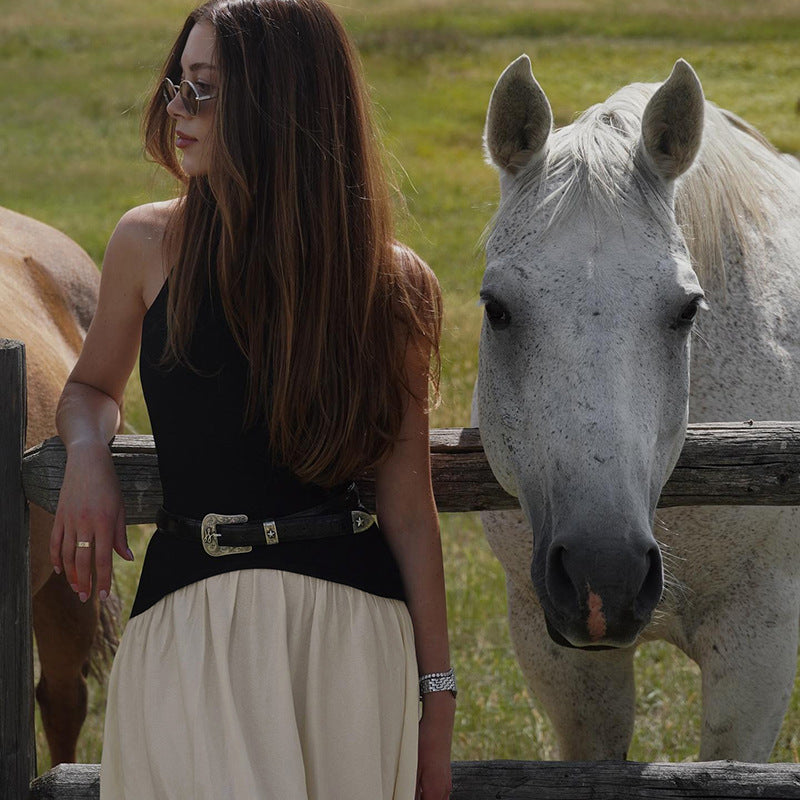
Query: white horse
pixel 654 214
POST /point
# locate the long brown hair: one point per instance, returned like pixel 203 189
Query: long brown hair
pixel 294 217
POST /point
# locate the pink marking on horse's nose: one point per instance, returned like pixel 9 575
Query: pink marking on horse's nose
pixel 596 622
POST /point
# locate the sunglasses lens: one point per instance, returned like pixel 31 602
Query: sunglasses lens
pixel 168 90
pixel 189 97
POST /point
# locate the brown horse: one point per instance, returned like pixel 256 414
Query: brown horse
pixel 48 293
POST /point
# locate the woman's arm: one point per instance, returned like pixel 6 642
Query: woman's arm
pixel 407 515
pixel 88 415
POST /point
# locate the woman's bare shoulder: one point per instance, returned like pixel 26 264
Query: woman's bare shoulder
pixel 420 283
pixel 414 271
pixel 147 223
pixel 137 246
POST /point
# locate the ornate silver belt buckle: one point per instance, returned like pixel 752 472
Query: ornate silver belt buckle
pixel 209 534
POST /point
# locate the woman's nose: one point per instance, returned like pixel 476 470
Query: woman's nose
pixel 175 107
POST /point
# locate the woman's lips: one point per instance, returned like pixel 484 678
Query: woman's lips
pixel 182 140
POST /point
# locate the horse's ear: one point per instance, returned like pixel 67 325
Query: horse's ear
pixel 519 119
pixel 672 123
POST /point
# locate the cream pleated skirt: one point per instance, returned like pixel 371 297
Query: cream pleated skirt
pixel 263 685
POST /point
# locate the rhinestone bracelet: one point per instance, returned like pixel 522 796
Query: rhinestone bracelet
pixel 438 682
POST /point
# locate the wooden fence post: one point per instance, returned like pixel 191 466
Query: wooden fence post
pixel 17 742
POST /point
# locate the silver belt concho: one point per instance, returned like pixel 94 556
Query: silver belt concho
pixel 361 521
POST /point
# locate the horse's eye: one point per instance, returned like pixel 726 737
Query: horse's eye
pixel 497 314
pixel 689 313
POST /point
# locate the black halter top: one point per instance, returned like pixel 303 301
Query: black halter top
pixel 209 462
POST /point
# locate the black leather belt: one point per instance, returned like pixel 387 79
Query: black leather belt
pixel 224 534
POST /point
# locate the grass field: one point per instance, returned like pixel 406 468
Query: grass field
pixel 77 74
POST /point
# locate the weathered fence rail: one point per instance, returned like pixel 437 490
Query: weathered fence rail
pixel 752 463
pixel 544 780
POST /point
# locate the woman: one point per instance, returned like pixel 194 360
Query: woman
pixel 273 650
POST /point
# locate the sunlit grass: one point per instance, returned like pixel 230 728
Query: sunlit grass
pixel 78 74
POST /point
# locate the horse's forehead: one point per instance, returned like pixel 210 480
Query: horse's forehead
pixel 593 250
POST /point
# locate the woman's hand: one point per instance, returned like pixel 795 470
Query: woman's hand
pixel 434 781
pixel 90 509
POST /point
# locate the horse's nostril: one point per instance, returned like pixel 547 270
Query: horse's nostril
pixel 652 586
pixel 560 587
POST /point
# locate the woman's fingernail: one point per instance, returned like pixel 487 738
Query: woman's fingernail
pixel 103 595
pixel 130 554
pixel 57 570
pixel 83 596
pixel 74 587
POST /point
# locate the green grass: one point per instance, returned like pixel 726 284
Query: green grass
pixel 77 75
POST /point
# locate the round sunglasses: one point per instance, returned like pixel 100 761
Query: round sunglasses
pixel 189 93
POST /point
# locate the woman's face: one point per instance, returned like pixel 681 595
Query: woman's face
pixel 193 133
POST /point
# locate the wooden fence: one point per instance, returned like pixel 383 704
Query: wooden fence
pixel 752 463
pixel 543 780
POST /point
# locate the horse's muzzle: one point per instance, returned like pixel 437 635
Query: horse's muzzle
pixel 599 595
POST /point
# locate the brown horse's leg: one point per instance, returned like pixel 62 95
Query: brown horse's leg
pixel 65 630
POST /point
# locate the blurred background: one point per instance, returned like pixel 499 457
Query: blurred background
pixel 76 74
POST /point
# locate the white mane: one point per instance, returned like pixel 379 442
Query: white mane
pixel 597 160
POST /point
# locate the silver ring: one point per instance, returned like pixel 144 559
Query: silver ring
pixel 83 544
